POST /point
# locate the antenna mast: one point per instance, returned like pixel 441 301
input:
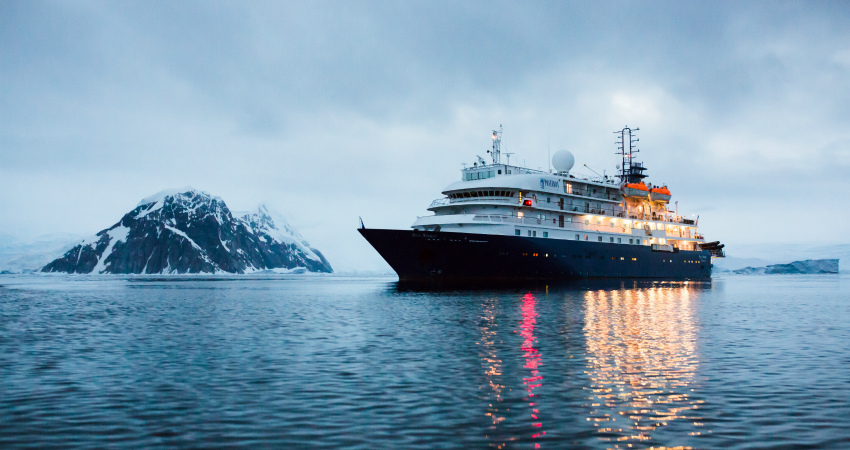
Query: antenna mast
pixel 631 171
pixel 496 152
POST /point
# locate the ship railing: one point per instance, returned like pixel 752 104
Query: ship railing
pixel 440 202
pixel 550 222
pixel 445 201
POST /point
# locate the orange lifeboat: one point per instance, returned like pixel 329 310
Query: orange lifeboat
pixel 635 190
pixel 660 194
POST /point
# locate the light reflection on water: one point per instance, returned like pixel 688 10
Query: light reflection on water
pixel 532 361
pixel 492 366
pixel 367 363
pixel 642 361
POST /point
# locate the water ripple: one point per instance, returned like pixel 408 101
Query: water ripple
pixel 332 362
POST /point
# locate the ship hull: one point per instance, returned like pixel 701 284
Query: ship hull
pixel 448 256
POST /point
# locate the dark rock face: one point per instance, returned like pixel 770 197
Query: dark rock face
pixel 191 232
pixel 809 266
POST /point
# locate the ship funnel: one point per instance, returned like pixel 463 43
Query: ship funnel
pixel 563 161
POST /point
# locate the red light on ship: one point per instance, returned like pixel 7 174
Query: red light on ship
pixel 527 203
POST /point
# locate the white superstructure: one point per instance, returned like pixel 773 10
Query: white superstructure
pixel 502 199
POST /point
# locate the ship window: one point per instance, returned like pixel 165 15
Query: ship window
pixel 466 195
pixel 600 239
pixel 577 237
pixel 534 233
pixel 631 241
pixel 491 174
pixel 619 240
pixel 548 200
pixel 568 188
pixel 585 237
pixel 612 240
pixel 529 233
pixel 516 232
pixel 644 242
pixel 545 234
pixel 500 171
pixel 509 171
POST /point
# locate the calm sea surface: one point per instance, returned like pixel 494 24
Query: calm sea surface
pixel 332 362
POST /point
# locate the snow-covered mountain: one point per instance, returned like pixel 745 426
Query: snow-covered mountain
pixel 190 231
pixel 29 254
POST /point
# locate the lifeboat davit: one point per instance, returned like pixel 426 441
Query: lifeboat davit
pixel 635 190
pixel 660 194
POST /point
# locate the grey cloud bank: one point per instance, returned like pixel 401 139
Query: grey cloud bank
pixel 332 110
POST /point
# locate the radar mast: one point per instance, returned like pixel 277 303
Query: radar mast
pixel 496 152
pixel 631 171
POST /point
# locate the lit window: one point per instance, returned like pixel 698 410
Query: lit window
pixel 585 237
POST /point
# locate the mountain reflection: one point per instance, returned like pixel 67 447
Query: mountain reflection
pixel 642 361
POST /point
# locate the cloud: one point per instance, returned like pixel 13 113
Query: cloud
pixel 331 110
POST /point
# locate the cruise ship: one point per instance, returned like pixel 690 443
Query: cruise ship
pixel 504 222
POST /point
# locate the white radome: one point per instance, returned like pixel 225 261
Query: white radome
pixel 563 161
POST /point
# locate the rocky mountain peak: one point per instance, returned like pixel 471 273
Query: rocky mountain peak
pixel 190 231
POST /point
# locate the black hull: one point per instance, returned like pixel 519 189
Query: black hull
pixel 445 256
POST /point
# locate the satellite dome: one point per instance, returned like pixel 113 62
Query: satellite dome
pixel 563 161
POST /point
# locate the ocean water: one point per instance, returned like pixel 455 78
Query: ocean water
pixel 337 362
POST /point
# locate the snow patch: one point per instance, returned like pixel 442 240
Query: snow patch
pixel 275 225
pixel 185 236
pixel 116 234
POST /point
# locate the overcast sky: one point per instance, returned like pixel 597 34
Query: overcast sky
pixel 328 111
